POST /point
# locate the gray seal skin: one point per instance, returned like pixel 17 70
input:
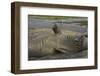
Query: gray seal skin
pixel 71 42
pixel 48 43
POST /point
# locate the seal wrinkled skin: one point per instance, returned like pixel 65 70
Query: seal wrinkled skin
pixel 48 44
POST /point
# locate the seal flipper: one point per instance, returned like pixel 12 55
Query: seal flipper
pixel 60 50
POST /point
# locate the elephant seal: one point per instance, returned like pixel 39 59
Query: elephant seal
pixel 47 43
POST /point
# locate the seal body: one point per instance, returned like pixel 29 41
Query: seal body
pixel 44 42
